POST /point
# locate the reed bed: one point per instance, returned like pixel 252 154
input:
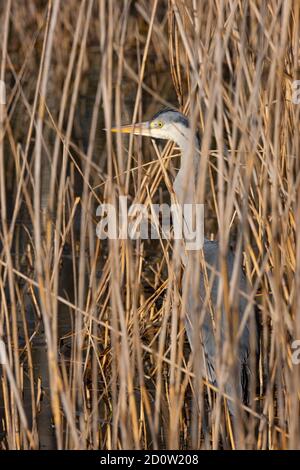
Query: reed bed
pixel 97 356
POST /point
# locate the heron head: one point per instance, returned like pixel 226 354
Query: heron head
pixel 167 124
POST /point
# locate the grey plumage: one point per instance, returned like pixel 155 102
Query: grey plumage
pixel 199 321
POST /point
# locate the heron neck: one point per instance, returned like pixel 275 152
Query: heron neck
pixel 185 182
pixel 185 190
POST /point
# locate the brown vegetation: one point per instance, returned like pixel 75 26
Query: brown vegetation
pixel 94 331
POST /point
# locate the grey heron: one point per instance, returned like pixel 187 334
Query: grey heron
pixel 172 125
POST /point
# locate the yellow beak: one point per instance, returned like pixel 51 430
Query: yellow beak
pixel 141 128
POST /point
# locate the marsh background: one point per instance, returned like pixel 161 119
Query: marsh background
pixel 97 356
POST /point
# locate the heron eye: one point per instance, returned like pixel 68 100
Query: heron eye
pixel 159 124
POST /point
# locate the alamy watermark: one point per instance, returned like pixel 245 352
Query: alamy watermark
pixel 180 222
pixel 296 92
pixel 296 352
pixel 3 355
pixel 2 92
